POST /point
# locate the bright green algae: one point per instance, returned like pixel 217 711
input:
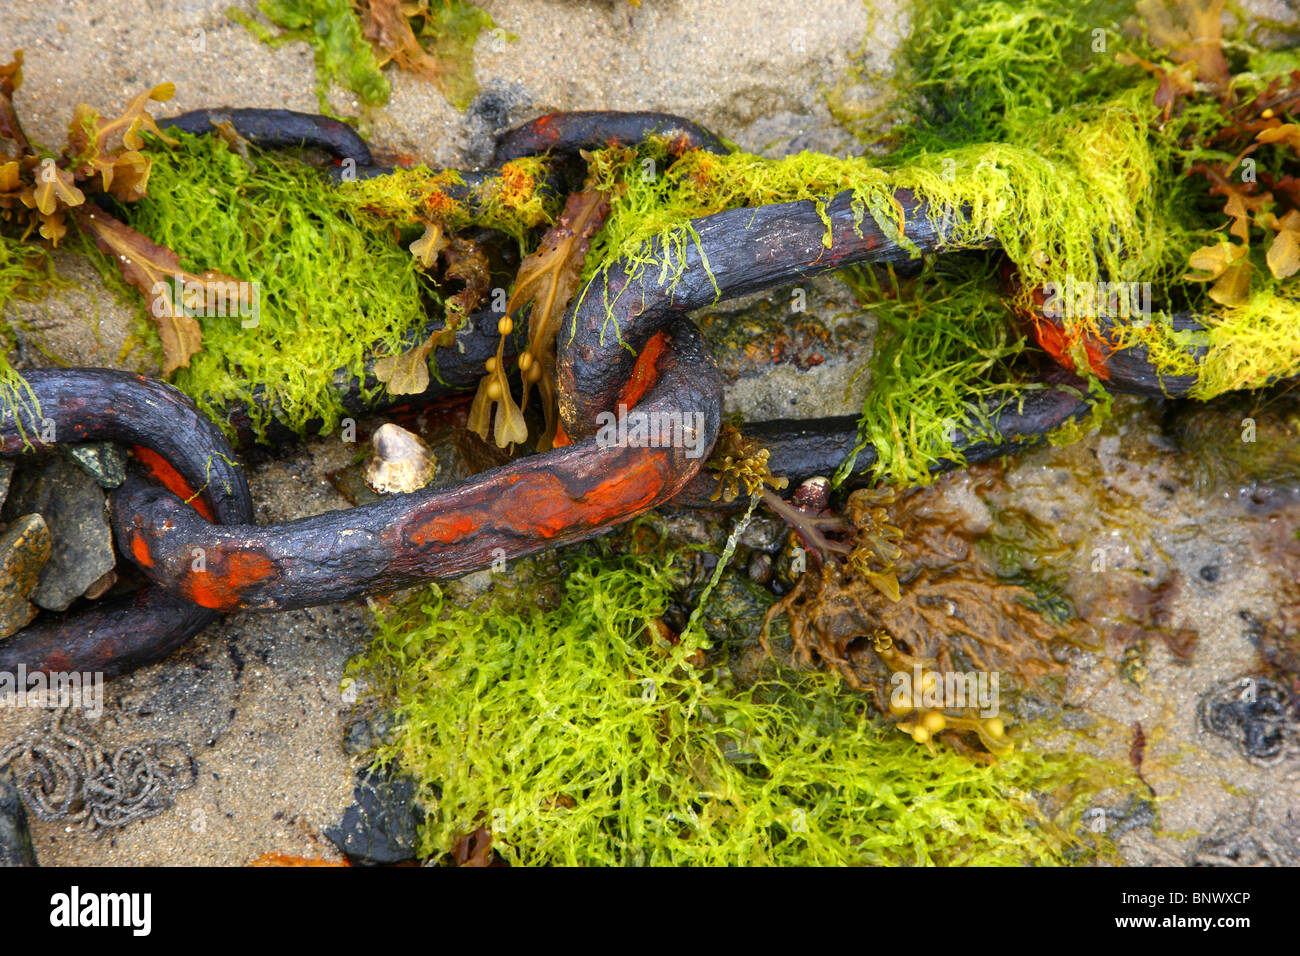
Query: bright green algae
pixel 25 270
pixel 333 281
pixel 555 719
pixel 333 30
pixel 1013 125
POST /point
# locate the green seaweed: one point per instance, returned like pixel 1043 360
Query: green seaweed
pixel 945 354
pixel 448 33
pixel 1002 72
pixel 331 281
pixel 25 270
pixel 580 736
pixel 333 30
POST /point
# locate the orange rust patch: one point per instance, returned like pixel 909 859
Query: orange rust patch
pixel 543 126
pixel 221 587
pixel 443 528
pixel 1098 354
pixel 644 375
pixel 629 490
pixel 440 204
pixel 634 482
pixel 646 371
pixel 1053 339
pixel 516 185
pixel 161 470
pixel 140 550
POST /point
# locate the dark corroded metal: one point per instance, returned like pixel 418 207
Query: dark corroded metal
pixel 189 454
pixel 458 368
pixel 802 449
pixel 746 250
pixel 278 129
pixel 595 129
pixel 1123 368
pixel 537 502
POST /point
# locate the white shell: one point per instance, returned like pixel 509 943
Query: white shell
pixel 401 463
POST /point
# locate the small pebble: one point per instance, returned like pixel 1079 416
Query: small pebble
pixel 24 550
pixel 103 461
pixel 81 541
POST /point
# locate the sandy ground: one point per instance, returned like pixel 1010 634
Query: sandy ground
pixel 257 697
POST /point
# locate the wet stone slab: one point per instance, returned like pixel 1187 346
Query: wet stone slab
pixel 24 551
pixel 74 508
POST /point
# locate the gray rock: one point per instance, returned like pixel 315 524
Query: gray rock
pixel 365 735
pixel 24 551
pixel 6 473
pixel 382 825
pixel 73 506
pixel 15 838
pixel 765 533
pixel 103 461
pixel 499 106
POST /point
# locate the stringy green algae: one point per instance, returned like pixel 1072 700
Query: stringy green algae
pixel 1021 133
pixel 333 30
pixel 1079 187
pixel 1056 209
pixel 333 281
pixel 997 71
pixel 578 739
pixel 334 275
pixel 25 270
pixel 943 356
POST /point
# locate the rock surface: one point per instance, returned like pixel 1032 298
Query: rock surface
pixel 74 508
pixel 103 461
pixel 15 837
pixel 24 551
pixel 381 825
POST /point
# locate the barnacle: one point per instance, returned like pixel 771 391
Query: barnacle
pixel 402 461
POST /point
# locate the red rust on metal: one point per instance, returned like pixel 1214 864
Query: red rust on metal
pixel 645 373
pixel 161 470
pixel 1054 340
pixel 445 528
pixel 220 586
pixel 140 550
